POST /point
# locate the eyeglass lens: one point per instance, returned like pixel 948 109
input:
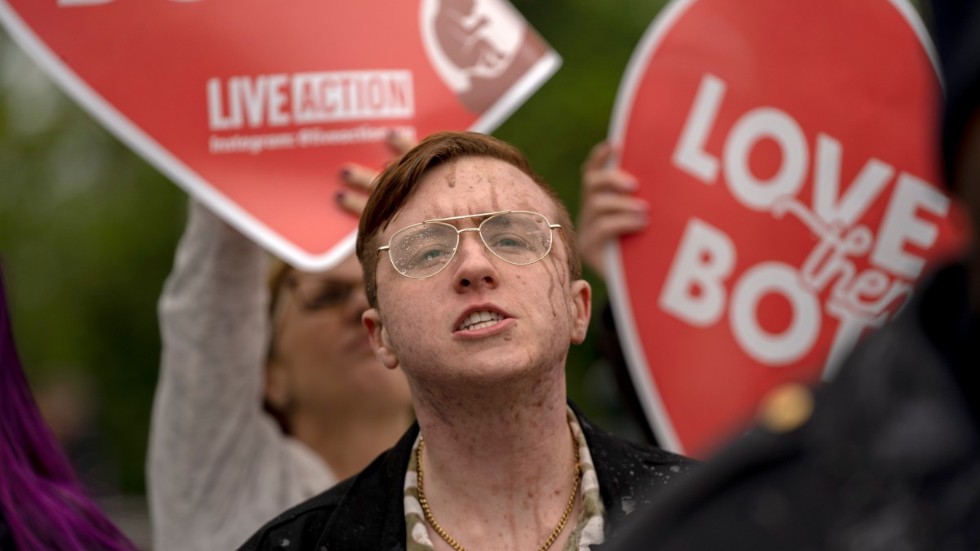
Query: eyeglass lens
pixel 422 250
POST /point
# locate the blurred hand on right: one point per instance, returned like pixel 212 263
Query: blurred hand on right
pixel 608 209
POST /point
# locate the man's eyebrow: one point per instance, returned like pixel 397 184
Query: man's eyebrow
pixel 465 216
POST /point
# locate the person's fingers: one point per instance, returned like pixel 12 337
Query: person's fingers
pixel 607 216
pixel 608 207
pixel 352 201
pixel 611 226
pixel 599 176
pixel 400 142
pixel 361 177
pixel 598 157
pixel 610 204
pixel 594 219
pixel 622 223
pixel 607 180
pixel 359 180
pixel 603 230
pixel 357 176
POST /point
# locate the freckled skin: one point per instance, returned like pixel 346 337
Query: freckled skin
pixel 536 296
pixel 555 278
pixel 493 198
pixel 451 176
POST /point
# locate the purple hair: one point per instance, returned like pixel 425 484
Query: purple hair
pixel 41 500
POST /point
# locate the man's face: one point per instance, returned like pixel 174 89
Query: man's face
pixel 537 311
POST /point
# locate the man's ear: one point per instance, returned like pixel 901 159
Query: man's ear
pixel 580 307
pixel 378 335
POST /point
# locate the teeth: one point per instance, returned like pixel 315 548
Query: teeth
pixel 479 320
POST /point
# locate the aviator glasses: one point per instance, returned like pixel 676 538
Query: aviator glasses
pixel 422 250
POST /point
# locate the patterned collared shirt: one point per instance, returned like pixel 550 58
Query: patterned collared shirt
pixel 588 529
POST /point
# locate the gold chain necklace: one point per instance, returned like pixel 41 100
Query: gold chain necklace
pixel 455 544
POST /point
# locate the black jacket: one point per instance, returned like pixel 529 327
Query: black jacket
pixel 889 460
pixel 366 512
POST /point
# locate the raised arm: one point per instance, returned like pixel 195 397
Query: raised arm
pixel 218 465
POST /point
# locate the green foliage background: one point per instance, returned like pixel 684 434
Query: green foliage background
pixel 88 229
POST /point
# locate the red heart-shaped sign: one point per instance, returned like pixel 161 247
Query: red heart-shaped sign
pixel 252 106
pixel 788 152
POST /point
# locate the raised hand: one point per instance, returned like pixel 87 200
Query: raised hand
pixel 608 208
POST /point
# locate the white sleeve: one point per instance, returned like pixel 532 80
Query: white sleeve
pixel 218 466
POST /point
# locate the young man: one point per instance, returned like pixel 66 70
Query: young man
pixel 474 284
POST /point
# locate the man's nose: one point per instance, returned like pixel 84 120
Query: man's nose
pixel 475 263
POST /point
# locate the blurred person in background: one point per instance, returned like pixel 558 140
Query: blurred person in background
pixel 42 505
pixel 220 463
pixel 887 456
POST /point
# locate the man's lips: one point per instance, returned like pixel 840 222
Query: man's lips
pixel 480 317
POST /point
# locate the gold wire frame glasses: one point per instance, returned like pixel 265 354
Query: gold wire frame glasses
pixel 422 250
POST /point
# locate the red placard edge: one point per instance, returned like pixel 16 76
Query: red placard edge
pixel 192 183
pixel 636 360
